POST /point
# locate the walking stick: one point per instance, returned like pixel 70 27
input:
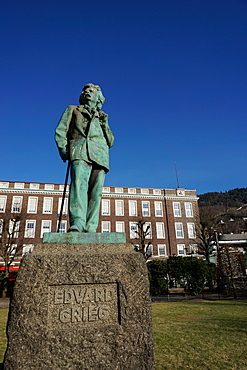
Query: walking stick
pixel 64 192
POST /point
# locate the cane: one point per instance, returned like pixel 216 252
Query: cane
pixel 64 192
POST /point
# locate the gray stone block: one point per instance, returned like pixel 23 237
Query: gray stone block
pixel 81 307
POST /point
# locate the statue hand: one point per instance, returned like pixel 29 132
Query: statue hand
pixel 64 154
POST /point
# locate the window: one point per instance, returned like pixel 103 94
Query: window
pixel 149 250
pixel 133 230
pixel 65 206
pixel 132 208
pixel 158 209
pixel 47 205
pixel 145 209
pixel 34 186
pixel 131 190
pixel 3 200
pixel 16 204
pixel 148 226
pixel 144 191
pixel 63 227
pixel 191 230
pixel 106 189
pixel 118 190
pixel 188 209
pixel 193 249
pixel 14 228
pixel 4 184
pixel 119 226
pixel 45 227
pixel 181 249
pixel 179 230
pixel 1 226
pixel 160 230
pixel 12 249
pixel 105 207
pixel 19 185
pixel 32 204
pixel 30 229
pixel 161 249
pixel 27 248
pixel 156 191
pixel 176 209
pixel 105 227
pixel 119 207
pixel 49 187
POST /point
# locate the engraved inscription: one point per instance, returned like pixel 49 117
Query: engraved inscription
pixel 83 304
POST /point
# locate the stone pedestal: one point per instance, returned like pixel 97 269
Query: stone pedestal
pixel 80 306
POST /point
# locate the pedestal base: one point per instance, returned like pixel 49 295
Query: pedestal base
pixel 81 307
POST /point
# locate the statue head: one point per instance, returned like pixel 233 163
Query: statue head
pixel 92 95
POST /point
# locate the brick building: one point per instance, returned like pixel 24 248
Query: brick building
pixel 171 213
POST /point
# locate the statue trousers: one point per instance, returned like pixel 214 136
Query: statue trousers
pixel 85 194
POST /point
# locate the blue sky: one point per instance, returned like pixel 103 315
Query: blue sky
pixel 174 74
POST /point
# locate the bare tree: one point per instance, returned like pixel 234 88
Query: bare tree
pixel 11 241
pixel 143 232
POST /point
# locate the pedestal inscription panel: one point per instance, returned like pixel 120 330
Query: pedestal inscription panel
pixel 82 304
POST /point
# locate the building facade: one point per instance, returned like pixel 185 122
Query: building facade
pixel 172 214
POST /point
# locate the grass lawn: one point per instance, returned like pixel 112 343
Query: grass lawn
pixel 198 335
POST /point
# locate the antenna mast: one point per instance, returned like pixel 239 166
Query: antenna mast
pixel 175 164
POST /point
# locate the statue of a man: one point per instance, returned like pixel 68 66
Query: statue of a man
pixel 83 137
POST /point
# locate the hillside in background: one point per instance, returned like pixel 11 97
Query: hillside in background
pixel 231 198
pixel 226 212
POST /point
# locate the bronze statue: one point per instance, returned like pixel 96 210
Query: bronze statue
pixel 84 137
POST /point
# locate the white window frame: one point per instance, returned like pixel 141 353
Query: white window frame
pixel 118 190
pixel 132 208
pixel 12 249
pixel 191 230
pixel 133 229
pixel 105 226
pixel 176 209
pixel 145 213
pixel 149 249
pixel 148 223
pixel 65 206
pixel 179 230
pixel 32 208
pixel 45 208
pixel 4 184
pixel 160 230
pixel 158 209
pixel 132 190
pixel 63 226
pixel 119 207
pixel 34 186
pixel 181 250
pixel 188 209
pixel 106 189
pixel 27 248
pixel 16 206
pixel 49 186
pixel 30 232
pixel 161 246
pixel 105 207
pixel 3 201
pixel 144 191
pixel 120 227
pixel 44 229
pixel 19 185
pixel 14 234
pixel 156 191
